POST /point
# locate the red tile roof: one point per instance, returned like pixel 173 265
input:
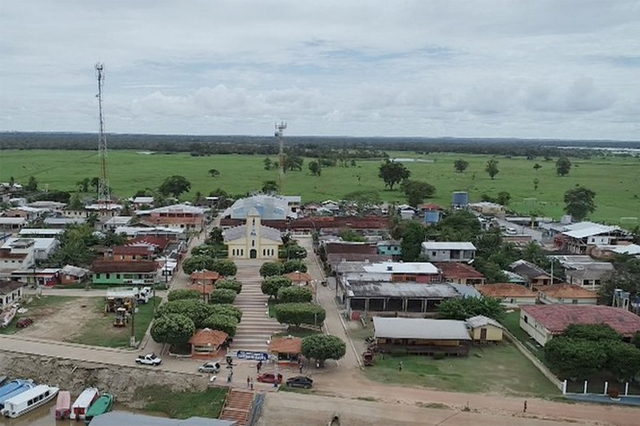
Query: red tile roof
pixel 344 247
pixel 317 223
pixel 458 270
pixel 204 275
pixel 299 277
pixel 159 242
pixel 100 266
pixel 131 250
pixel 202 289
pixel 501 290
pixel 567 291
pixel 286 345
pixel 207 336
pixel 556 318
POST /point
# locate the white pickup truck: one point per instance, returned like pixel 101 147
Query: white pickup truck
pixel 149 359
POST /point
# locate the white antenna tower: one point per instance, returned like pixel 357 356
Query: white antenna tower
pixel 279 134
pixel 104 192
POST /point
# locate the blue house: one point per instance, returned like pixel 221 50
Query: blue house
pixel 389 248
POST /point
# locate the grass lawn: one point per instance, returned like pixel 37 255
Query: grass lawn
pixel 498 369
pixel 182 405
pixel 512 323
pixel 298 332
pixel 101 332
pixel 36 306
pixel 614 179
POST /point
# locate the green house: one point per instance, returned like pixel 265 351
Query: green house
pixel 131 272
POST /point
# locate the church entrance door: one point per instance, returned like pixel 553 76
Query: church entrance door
pixel 253 253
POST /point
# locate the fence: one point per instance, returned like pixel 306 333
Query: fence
pixel 539 365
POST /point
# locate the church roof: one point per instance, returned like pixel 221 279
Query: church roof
pixel 267 206
pixel 239 232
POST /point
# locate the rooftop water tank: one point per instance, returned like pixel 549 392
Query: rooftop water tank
pixel 431 217
pixel 460 199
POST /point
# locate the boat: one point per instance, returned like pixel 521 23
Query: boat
pixel 63 405
pixel 13 388
pixel 28 400
pixel 7 316
pixel 82 404
pixel 3 379
pixel 102 405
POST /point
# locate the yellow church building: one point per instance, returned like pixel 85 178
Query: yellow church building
pixel 252 240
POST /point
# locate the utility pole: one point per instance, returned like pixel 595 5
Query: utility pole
pixel 280 127
pixel 104 192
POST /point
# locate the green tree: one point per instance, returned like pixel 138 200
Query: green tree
pixel 225 323
pixel 198 263
pixel 293 162
pixel 348 234
pixel 230 284
pixel 593 332
pixel 392 173
pixel 222 295
pixel 463 308
pixel 635 340
pixel 226 309
pixel 216 236
pixel 323 347
pixel 416 191
pixel 174 185
pixel 537 167
pixel 575 358
pixel 503 198
pixel 181 294
pixel 75 203
pixel 296 314
pixel 270 269
pixel 314 168
pixel 295 294
pixel 83 185
pixel 536 182
pixel 268 164
pixel 412 238
pixel 271 285
pixel 294 265
pixel 214 173
pixel 32 185
pixel 492 168
pixel 579 202
pixel 174 329
pixel 194 309
pixel 225 267
pixel 563 166
pixel 623 361
pixel 460 165
pixel 95 183
pixel 625 276
pixel 460 225
pixel 269 186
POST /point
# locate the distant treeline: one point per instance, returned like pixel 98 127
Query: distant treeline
pixel 309 146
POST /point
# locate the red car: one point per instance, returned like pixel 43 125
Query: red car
pixel 269 378
pixel 24 322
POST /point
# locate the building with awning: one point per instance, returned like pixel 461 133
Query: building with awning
pixel 287 349
pixel 207 343
pixel 300 278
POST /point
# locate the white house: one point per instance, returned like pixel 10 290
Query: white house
pixel 448 251
pixel 566 294
pixel 42 247
pixel 10 292
pixel 12 224
pixel 19 255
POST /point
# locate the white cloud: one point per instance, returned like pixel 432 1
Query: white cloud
pixel 428 68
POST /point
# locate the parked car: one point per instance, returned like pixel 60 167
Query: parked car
pixel 209 367
pixel 149 359
pixel 269 378
pixel 24 322
pixel 300 382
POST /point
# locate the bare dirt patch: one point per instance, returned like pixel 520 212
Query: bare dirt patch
pixel 62 321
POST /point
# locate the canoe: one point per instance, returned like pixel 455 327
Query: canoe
pixel 63 405
pixel 83 402
pixel 102 405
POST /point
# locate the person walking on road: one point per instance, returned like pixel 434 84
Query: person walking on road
pixel 524 410
pixel 248 381
pixel 251 384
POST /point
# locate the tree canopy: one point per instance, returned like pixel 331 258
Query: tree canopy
pixel 300 313
pixel 392 173
pixel 174 329
pixel 194 309
pixel 416 191
pixel 222 295
pixel 225 323
pixel 463 308
pixel 226 309
pixel 492 168
pixel 269 186
pixel 575 358
pixel 294 265
pixel 198 263
pixel 295 294
pixel 229 284
pixel 315 168
pixel 412 238
pixel 322 347
pixel 363 199
pixel 225 267
pixel 579 202
pixel 181 294
pixel 270 269
pixel 271 285
pixel 175 185
pixel 460 165
pixel 563 166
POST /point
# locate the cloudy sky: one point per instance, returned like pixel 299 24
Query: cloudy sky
pixel 502 68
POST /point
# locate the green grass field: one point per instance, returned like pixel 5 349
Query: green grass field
pixel 498 369
pixel 182 405
pixel 615 180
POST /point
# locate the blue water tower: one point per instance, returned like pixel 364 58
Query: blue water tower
pixel 432 217
pixel 460 199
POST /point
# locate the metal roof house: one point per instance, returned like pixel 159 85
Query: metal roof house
pixel 579 237
pixel 268 206
pixel 448 251
pixel 422 335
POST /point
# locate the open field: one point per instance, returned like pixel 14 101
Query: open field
pixel 614 179
pixel 182 405
pixel 101 332
pixel 498 369
pixel 41 310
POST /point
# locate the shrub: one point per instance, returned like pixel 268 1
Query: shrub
pixel 183 294
pixel 226 309
pixel 222 295
pixel 295 294
pixel 438 355
pixel 225 323
pixel 230 284
pixel 174 329
pixel 271 285
pixel 293 266
pixel 194 309
pixel 270 269
pixel 224 267
pixel 300 313
pixel 321 347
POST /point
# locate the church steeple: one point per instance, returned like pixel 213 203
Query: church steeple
pixel 253 223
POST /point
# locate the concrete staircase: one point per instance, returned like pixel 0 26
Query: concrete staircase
pixel 237 406
pixel 256 327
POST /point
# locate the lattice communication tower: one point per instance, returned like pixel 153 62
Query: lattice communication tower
pixel 281 159
pixel 104 192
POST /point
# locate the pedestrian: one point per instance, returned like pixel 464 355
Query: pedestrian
pixel 525 406
pixel 400 366
pixel 251 384
pixel 248 381
pixel 259 366
pixel 300 368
